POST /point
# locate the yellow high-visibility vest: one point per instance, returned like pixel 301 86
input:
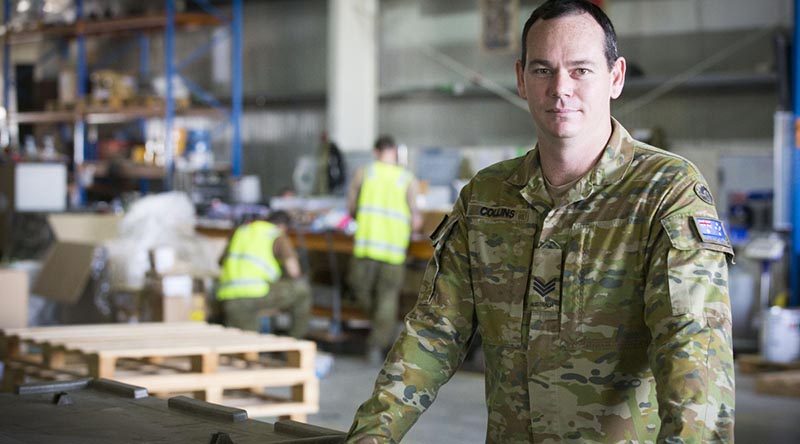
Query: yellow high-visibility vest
pixel 383 215
pixel 250 264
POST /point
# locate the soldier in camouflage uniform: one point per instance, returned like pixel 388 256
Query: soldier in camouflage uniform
pixel 601 296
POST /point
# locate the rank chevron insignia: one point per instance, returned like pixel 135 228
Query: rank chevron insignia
pixel 542 287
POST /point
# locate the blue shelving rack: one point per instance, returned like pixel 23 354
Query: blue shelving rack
pixel 794 259
pixel 173 66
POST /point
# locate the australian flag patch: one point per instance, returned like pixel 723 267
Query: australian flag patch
pixel 711 231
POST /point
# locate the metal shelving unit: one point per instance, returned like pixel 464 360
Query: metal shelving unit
pixel 169 24
pixel 111 26
pixel 104 116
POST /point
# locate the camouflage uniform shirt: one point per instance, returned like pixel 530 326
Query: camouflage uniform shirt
pixel 604 320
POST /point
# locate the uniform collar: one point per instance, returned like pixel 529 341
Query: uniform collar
pixel 611 168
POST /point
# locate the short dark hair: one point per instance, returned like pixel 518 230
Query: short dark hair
pixel 384 142
pixel 279 217
pixel 558 8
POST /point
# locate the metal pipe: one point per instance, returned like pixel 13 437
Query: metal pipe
pixel 201 50
pixel 474 77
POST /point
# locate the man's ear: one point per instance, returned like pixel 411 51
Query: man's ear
pixel 519 68
pixel 618 77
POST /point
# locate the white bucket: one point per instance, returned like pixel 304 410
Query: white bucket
pixel 780 334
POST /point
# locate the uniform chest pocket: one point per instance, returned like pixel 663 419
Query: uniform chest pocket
pixel 603 285
pixel 500 254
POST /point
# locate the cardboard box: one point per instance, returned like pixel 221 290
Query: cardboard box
pixel 180 309
pixel 67 266
pixel 13 298
pixel 431 220
pixel 199 310
pixel 170 298
pixel 94 229
pixel 66 270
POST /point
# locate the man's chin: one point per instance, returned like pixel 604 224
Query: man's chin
pixel 563 130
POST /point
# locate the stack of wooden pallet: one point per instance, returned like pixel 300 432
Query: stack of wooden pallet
pixel 214 363
pixel 773 378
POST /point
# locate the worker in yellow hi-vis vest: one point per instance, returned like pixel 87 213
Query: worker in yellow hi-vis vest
pixel 382 199
pixel 260 271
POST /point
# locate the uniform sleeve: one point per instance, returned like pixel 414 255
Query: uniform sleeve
pixel 687 310
pixel 432 345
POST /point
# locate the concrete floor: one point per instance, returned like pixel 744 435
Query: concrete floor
pixel 459 414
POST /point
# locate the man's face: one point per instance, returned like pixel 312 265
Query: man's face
pixel 566 79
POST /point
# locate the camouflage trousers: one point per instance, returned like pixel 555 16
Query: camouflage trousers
pixel 377 286
pixel 292 295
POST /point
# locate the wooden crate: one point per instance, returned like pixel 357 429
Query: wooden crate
pixel 749 364
pixel 216 364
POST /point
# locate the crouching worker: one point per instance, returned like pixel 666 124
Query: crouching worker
pixel 260 271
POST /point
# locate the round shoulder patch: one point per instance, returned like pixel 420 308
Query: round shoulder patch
pixel 703 193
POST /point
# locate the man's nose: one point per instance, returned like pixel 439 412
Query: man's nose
pixel 561 84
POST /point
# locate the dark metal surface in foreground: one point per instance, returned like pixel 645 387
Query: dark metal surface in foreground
pixel 102 411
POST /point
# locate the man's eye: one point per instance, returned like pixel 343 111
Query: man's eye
pixel 582 71
pixel 541 71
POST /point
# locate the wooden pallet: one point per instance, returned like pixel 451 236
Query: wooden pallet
pixel 750 364
pixel 784 383
pixel 209 361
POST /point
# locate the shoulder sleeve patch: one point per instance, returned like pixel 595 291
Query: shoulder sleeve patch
pixel 688 232
pixel 703 193
pixel 711 231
